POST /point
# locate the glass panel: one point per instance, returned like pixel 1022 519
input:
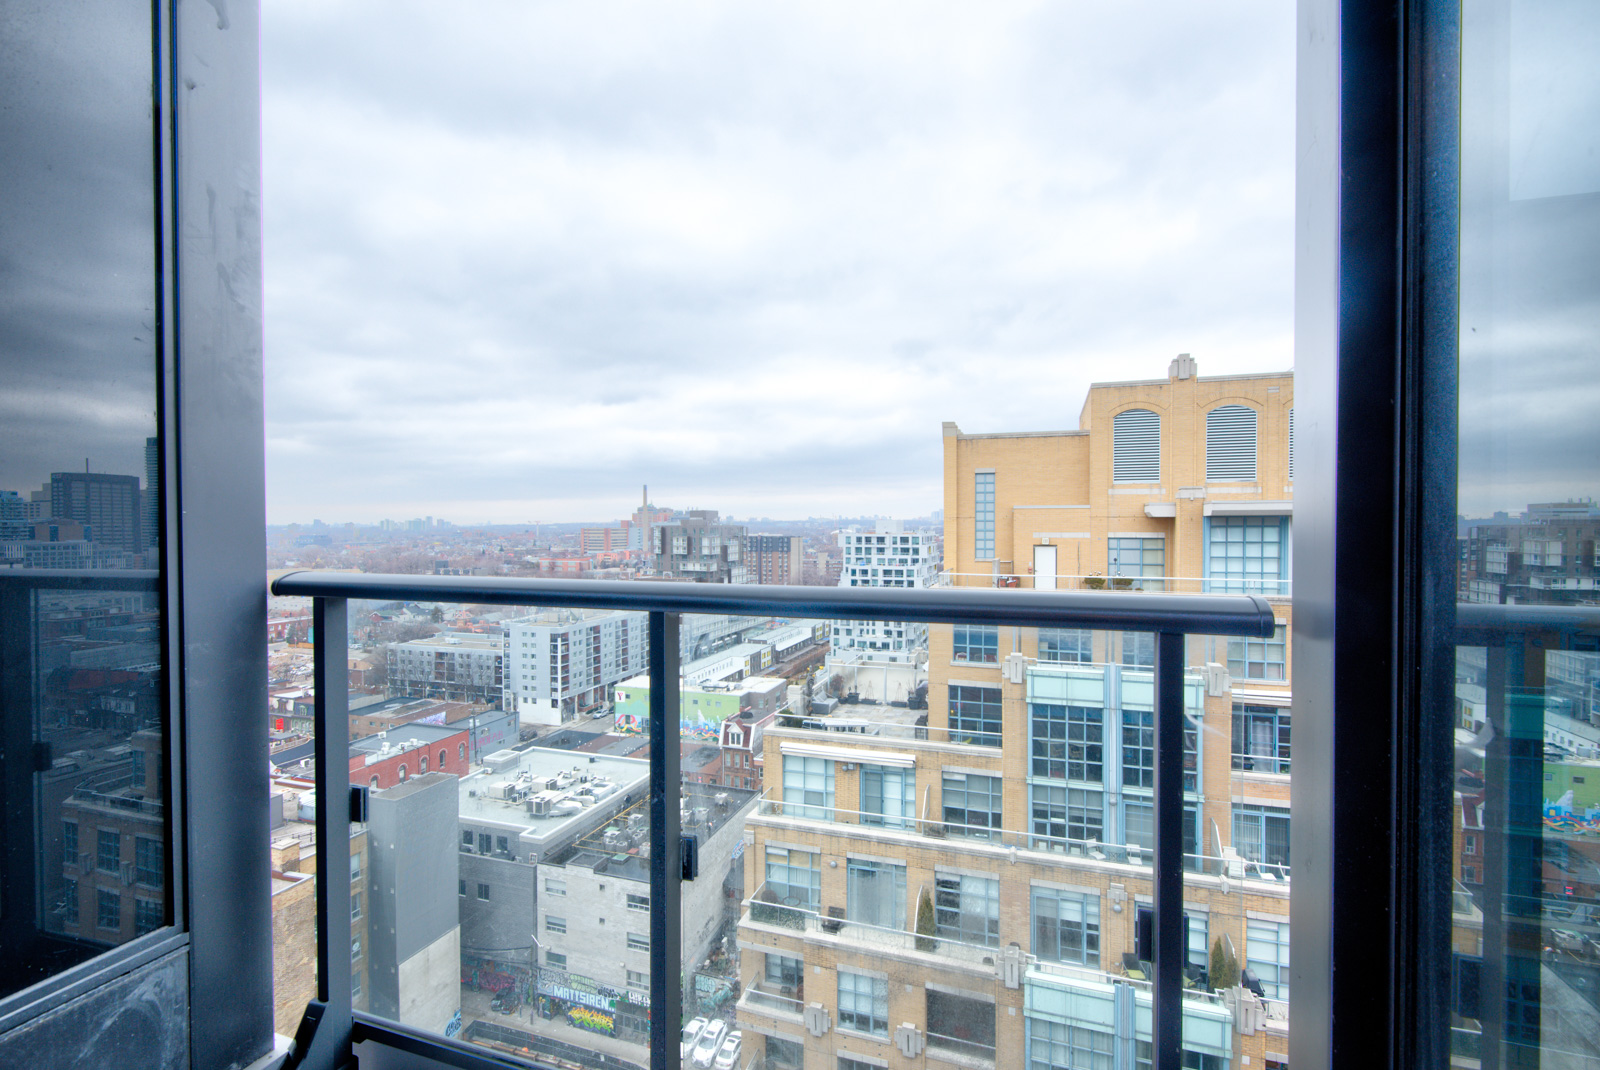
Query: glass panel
pixel 1524 711
pixel 961 716
pixel 501 891
pixel 85 778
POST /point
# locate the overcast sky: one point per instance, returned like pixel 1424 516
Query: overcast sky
pixel 522 258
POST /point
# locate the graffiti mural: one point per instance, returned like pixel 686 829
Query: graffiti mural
pixel 592 1020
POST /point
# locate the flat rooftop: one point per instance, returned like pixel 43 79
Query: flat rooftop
pixel 705 809
pixel 457 641
pixel 404 736
pixel 610 784
pixel 714 686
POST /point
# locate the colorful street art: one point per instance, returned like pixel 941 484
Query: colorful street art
pixel 592 1020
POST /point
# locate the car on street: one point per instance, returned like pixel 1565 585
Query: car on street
pixel 691 1033
pixel 705 1049
pixel 1567 940
pixel 728 1054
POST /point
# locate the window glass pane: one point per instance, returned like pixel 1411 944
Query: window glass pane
pixel 983 514
pixel 86 826
pixel 975 714
pixel 1247 554
pixel 1523 710
pixel 1066 644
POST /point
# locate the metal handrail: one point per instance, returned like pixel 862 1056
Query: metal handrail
pixel 1217 614
pixel 81 579
pixel 1266 586
pixel 1171 617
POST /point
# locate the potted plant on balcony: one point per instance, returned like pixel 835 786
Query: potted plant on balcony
pixel 1094 581
pixel 1224 967
pixel 925 924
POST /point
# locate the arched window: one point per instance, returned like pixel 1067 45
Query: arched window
pixel 442 756
pixel 1136 447
pixel 461 751
pixel 422 764
pixel 403 774
pixel 373 782
pixel 1231 443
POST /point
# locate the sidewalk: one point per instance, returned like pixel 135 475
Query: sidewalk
pixel 475 1005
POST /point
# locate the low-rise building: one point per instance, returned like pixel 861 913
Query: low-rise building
pixel 393 757
pixel 594 911
pixel 451 666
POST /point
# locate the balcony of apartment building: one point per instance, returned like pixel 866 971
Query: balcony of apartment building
pixel 138 873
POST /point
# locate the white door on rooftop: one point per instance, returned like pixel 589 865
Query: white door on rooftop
pixel 1044 568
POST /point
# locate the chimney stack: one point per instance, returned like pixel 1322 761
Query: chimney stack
pixel 1182 367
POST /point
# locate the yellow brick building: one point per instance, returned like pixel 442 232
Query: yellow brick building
pixel 967 891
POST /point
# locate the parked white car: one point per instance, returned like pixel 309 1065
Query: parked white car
pixel 705 1049
pixel 691 1033
pixel 728 1054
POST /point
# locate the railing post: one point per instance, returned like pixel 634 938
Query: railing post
pixel 329 1046
pixel 1166 1025
pixel 666 983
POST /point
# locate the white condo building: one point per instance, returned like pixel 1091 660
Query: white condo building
pixel 559 663
pixel 883 660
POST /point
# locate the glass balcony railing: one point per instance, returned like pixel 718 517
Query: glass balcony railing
pixel 625 952
pixel 1266 587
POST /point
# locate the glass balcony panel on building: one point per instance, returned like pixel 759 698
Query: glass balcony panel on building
pixel 83 666
pixel 1524 872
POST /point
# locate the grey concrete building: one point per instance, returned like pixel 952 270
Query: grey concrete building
pixel 594 902
pixel 414 958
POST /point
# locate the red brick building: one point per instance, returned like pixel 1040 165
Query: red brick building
pixel 395 756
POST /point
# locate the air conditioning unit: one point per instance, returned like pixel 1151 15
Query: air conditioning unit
pixel 127 873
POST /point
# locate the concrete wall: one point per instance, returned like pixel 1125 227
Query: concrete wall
pixel 489 929
pixel 598 923
pixel 412 861
pixel 430 984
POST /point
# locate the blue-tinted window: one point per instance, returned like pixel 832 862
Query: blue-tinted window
pixel 983 517
pixel 975 715
pixel 1247 554
pixel 1068 742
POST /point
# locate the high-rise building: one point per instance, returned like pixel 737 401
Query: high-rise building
pixel 973 888
pixel 560 663
pixel 774 558
pixel 150 501
pixel 696 546
pixel 883 661
pixel 108 505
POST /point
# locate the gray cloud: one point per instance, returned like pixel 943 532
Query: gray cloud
pixel 520 264
pixel 77 242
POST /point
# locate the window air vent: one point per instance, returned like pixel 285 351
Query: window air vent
pixel 1136 447
pixel 1231 443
